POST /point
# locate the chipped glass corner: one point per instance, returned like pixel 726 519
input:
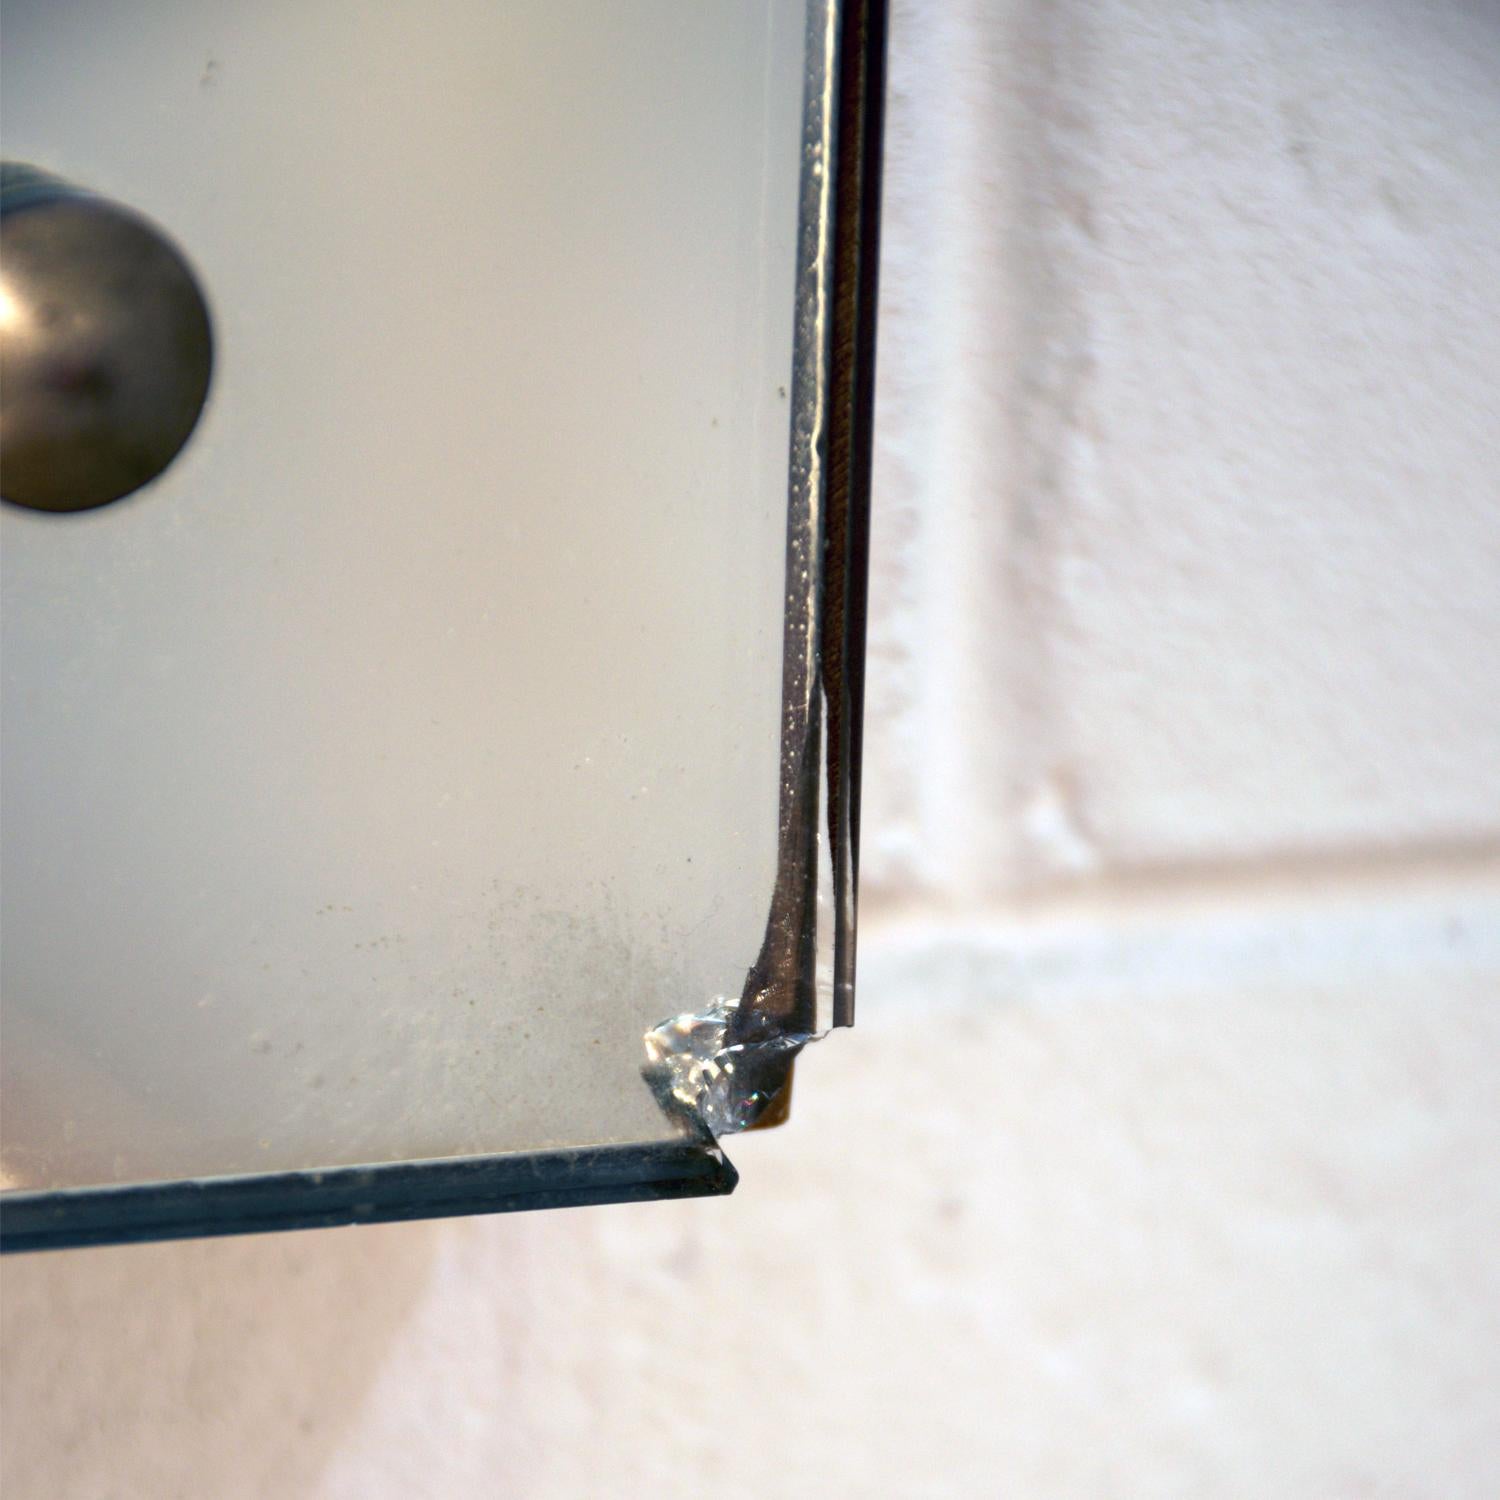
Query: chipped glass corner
pixel 701 1073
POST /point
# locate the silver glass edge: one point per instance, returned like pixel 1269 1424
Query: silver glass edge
pixel 790 987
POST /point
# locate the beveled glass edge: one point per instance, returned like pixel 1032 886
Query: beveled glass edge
pixel 803 980
pixel 860 113
pixel 252 1204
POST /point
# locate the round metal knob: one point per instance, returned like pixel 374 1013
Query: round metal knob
pixel 105 346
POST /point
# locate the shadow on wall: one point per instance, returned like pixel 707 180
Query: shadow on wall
pixel 224 1350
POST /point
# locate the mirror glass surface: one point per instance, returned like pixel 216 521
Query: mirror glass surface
pixel 378 774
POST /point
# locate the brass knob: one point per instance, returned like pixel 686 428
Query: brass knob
pixel 105 346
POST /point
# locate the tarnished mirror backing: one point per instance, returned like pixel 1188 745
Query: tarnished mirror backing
pixel 461 701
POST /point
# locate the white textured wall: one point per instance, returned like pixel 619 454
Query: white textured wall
pixel 1166 1157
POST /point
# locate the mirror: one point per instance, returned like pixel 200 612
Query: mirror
pixel 459 702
